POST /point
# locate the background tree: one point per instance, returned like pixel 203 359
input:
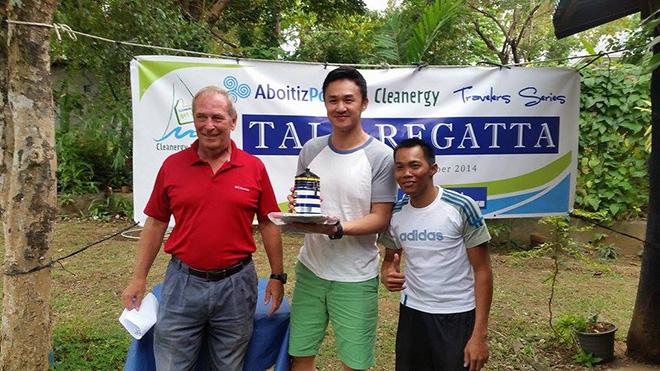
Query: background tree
pixel 410 33
pixel 643 340
pixel 517 31
pixel 28 185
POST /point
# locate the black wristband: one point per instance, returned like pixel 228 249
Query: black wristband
pixel 340 232
pixel 278 276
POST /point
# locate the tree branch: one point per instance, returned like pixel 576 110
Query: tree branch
pixel 214 14
pixel 491 17
pixel 489 43
pixel 222 38
pixel 528 20
pixel 504 52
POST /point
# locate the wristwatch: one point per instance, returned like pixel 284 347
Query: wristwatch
pixel 278 276
pixel 340 231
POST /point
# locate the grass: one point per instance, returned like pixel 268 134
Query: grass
pixel 85 302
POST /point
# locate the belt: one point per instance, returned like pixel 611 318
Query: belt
pixel 213 275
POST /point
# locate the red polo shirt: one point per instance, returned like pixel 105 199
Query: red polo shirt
pixel 213 212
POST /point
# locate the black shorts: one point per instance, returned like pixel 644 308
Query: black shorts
pixel 433 342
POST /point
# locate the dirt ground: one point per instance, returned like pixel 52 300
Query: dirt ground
pixel 86 289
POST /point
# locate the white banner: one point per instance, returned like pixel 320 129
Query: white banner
pixel 507 137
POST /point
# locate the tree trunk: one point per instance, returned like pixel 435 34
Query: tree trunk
pixel 213 14
pixel 644 334
pixel 28 184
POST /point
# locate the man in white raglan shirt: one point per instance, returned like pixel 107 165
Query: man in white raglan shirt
pixel 447 288
pixel 337 271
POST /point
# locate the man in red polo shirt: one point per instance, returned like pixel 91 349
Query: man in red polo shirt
pixel 213 190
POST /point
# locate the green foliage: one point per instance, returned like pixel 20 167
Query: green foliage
pixel 647 31
pixel 397 42
pixel 344 40
pixel 160 23
pixel 612 163
pixel 607 251
pixel 94 153
pixel 500 231
pixel 566 326
pixel 91 89
pixel 646 107
pixel 499 228
pixel 74 174
pixel 113 206
pixel 85 348
pixel 562 242
pixel 427 29
pixel 586 359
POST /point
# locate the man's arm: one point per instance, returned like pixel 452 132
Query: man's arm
pixel 272 239
pixel 476 350
pixel 151 238
pixel 374 222
pixel 390 270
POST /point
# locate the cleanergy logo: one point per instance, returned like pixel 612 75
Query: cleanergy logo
pixel 423 235
pixel 427 98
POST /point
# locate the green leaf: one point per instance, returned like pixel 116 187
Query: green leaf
pixel 652 64
pixel 432 20
pixel 614 209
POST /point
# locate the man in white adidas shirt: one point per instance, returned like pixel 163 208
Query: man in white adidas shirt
pixel 447 288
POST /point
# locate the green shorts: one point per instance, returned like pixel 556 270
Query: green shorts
pixel 351 307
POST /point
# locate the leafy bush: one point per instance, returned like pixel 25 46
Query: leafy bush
pixel 607 251
pixel 93 145
pixel 586 359
pixel 567 324
pixel 612 163
pixel 112 206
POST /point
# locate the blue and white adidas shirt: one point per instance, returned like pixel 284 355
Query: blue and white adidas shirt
pixel 435 239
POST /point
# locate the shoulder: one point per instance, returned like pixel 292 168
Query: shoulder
pixel 378 148
pixel 316 143
pixel 180 157
pixel 400 204
pixel 379 155
pixel 313 147
pixel 249 159
pixel 464 205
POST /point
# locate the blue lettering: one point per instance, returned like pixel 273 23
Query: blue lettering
pixel 491 97
pixel 424 235
pixel 315 93
pixel 531 93
pixel 294 93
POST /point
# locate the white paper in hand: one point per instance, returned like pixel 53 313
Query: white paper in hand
pixel 139 322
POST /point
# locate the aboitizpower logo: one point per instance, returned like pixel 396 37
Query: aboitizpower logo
pixel 235 89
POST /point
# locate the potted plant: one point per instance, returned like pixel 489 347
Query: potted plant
pixel 593 338
pixel 597 338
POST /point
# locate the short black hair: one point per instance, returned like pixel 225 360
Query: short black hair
pixel 346 73
pixel 415 142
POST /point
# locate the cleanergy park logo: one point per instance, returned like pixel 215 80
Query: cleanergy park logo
pixel 235 90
